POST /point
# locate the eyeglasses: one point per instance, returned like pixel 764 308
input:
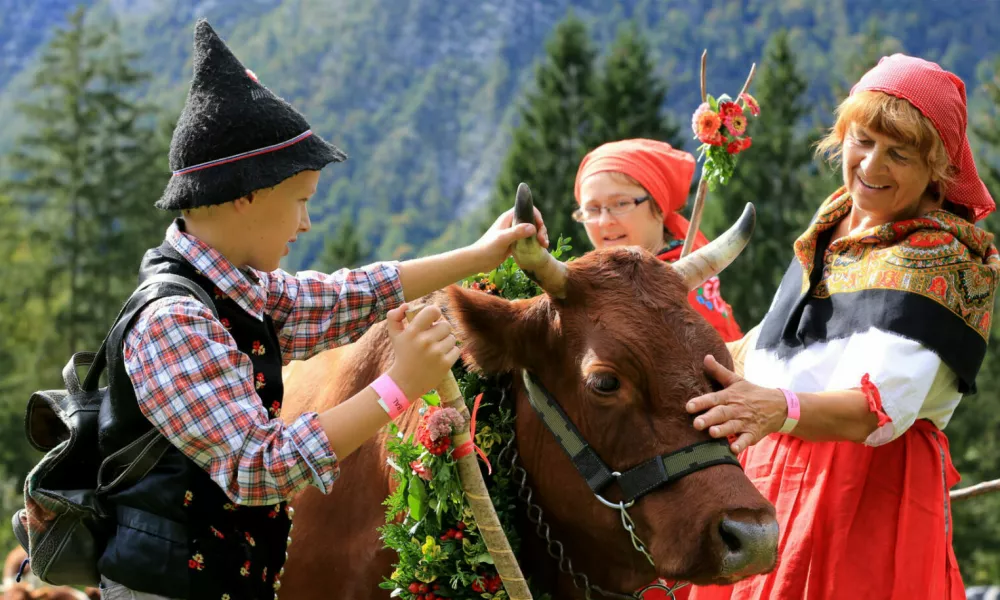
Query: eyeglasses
pixel 591 213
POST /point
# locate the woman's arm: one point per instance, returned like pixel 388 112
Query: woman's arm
pixel 751 412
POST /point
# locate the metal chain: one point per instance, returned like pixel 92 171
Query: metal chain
pixel 629 526
pixel 555 547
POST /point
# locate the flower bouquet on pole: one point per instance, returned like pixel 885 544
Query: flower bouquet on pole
pixel 721 125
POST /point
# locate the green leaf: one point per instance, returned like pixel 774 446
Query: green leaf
pixel 432 398
pixel 416 498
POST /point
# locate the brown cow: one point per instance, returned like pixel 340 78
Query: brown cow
pixel 32 588
pixel 617 343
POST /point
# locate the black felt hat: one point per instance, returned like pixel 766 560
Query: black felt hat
pixel 234 135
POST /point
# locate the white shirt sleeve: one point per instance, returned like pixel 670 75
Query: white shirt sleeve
pixel 912 380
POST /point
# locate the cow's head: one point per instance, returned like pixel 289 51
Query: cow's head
pixel 620 349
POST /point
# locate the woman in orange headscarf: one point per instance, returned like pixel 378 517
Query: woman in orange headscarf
pixel 614 186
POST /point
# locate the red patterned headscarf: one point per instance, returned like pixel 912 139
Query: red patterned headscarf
pixel 664 171
pixel 939 96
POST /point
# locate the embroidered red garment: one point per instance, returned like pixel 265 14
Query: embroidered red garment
pixel 707 299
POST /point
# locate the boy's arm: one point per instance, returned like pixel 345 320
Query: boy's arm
pixel 195 386
pixel 313 311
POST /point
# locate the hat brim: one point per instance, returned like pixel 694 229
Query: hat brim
pixel 227 182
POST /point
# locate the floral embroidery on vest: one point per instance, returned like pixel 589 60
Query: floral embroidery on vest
pixel 197 562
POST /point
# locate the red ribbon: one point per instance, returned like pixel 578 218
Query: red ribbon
pixel 467 448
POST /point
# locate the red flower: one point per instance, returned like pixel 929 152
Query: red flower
pixel 217 533
pixel 715 140
pixel 245 570
pixel 225 323
pixel 751 103
pixel 258 349
pixel 746 142
pixel 276 409
pixel 250 539
pixel 728 110
pixel 260 380
pixel 435 447
pixel 736 124
pixel 421 470
pixel 734 147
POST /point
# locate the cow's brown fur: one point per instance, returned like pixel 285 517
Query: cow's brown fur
pixel 625 312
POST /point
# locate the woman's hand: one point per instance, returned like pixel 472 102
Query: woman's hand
pixel 742 412
pixel 496 244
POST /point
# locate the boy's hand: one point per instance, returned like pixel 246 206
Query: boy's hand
pixel 424 349
pixel 497 243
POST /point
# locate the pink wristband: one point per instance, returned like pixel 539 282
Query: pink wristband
pixel 391 398
pixel 793 411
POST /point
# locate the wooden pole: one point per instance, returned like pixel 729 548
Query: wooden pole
pixel 475 490
pixel 975 490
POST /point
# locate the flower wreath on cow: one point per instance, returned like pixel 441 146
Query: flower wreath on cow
pixel 441 553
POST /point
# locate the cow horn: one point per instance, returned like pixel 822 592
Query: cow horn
pixel 543 268
pixel 704 263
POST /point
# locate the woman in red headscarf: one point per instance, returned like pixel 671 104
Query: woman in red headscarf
pixel 877 330
pixel 629 193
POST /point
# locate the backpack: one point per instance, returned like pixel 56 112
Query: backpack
pixel 63 526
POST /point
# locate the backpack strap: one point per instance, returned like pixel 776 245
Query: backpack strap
pixel 130 464
pixel 99 359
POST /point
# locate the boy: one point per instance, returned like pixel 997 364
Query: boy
pixel 210 519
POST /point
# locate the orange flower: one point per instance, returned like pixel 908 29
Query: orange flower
pixel 705 122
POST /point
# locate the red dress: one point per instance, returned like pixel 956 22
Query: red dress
pixel 855 521
pixel 707 299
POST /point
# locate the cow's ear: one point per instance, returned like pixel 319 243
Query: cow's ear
pixel 499 335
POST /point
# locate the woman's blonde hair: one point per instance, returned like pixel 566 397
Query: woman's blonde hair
pixel 894 117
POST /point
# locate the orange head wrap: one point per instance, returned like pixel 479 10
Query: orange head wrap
pixel 661 169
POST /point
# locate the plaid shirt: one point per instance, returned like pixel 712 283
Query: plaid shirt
pixel 196 387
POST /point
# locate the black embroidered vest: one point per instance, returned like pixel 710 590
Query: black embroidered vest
pixel 178 534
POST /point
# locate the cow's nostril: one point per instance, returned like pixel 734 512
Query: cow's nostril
pixel 750 543
pixel 730 537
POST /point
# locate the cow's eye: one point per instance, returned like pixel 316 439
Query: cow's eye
pixel 604 383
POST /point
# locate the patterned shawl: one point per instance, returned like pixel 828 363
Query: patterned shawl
pixel 931 279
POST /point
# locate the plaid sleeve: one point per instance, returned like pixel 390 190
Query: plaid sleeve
pixel 195 386
pixel 313 311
